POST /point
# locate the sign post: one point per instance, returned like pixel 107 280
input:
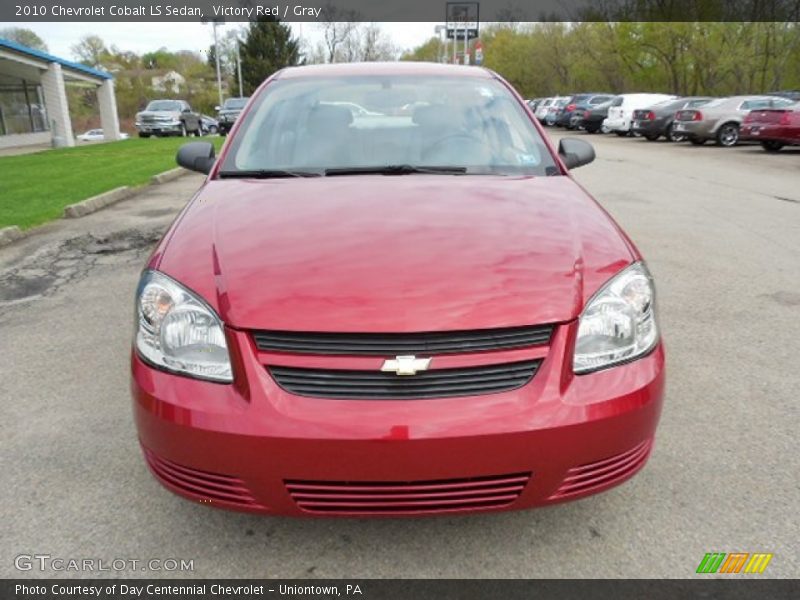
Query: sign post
pixel 462 22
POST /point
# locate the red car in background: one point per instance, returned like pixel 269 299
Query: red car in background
pixel 773 127
pixel 393 314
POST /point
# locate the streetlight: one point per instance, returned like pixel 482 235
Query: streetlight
pixel 214 23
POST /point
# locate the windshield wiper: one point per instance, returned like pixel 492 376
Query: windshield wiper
pixel 396 170
pixel 267 174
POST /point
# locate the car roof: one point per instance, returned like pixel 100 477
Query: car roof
pixel 383 68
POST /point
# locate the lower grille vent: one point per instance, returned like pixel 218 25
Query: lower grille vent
pixel 407 497
pixel 210 486
pixel 585 478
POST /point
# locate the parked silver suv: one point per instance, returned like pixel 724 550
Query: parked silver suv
pixel 168 117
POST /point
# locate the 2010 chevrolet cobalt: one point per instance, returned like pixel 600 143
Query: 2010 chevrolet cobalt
pixel 389 297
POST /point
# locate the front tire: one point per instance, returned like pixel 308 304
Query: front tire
pixel 697 141
pixel 144 135
pixel 652 137
pixel 772 145
pixel 728 135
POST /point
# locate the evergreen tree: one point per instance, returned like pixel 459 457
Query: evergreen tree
pixel 269 46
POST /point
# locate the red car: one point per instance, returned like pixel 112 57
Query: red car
pixel 365 312
pixel 773 127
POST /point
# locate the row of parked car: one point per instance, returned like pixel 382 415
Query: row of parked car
pixel 176 117
pixel 773 119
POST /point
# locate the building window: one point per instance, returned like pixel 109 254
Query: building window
pixel 21 107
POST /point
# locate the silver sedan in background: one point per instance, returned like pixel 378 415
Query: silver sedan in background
pixel 721 119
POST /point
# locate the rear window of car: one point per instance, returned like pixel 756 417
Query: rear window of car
pixel 384 120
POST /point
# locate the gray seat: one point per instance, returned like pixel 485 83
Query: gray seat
pixel 328 139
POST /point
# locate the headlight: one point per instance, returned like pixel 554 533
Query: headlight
pixel 619 322
pixel 177 331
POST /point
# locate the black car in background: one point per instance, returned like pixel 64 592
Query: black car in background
pixel 657 120
pixel 580 103
pixel 592 118
pixel 228 112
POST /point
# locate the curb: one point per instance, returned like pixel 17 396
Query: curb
pixel 95 203
pixel 10 234
pixel 170 175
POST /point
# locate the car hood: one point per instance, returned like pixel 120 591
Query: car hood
pixel 394 253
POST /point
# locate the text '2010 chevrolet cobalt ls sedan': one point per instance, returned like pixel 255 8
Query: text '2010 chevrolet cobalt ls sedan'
pixel 389 297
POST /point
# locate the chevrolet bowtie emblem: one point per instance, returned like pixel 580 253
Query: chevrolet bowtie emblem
pixel 405 365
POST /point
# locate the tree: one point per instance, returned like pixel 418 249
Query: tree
pixel 90 50
pixel 430 51
pixel 339 27
pixel 23 36
pixel 268 47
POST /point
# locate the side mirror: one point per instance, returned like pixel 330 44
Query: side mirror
pixel 575 153
pixel 196 156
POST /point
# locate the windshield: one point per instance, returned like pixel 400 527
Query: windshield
pixel 170 105
pixel 235 103
pixel 316 124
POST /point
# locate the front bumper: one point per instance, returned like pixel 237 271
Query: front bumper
pixel 253 446
pixel 158 127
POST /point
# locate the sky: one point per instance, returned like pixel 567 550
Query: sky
pixel 145 37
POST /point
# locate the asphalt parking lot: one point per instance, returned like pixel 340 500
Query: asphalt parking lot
pixel 721 231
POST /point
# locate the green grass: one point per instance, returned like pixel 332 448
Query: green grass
pixel 35 188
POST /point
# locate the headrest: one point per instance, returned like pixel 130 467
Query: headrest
pixel 435 116
pixel 328 116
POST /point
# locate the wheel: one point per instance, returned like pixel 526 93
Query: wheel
pixel 212 130
pixel 772 145
pixel 623 133
pixel 728 135
pixel 592 129
pixel 651 137
pixel 672 135
pixel 697 141
pixel 144 135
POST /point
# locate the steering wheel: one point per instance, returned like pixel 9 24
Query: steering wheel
pixel 449 137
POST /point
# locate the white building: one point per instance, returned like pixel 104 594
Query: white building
pixel 171 81
pixel 33 97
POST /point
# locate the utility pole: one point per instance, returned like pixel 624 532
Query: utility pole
pixel 442 45
pixel 239 67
